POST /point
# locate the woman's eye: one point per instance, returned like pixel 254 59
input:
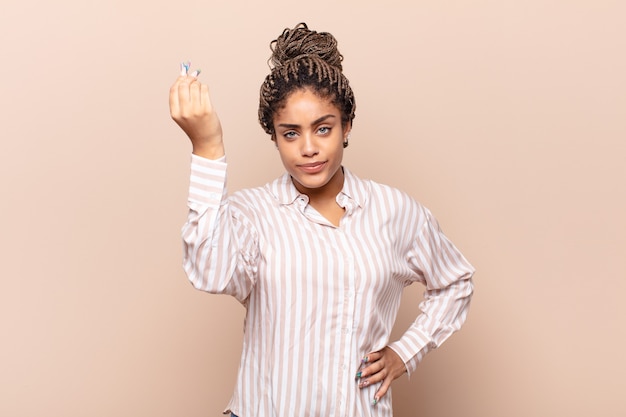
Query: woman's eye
pixel 289 135
pixel 324 130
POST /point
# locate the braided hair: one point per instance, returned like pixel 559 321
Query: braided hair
pixel 303 58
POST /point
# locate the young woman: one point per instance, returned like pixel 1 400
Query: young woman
pixel 318 257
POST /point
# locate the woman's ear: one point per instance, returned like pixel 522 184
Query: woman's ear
pixel 347 128
pixel 346 134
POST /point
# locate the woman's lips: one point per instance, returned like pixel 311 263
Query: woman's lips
pixel 312 167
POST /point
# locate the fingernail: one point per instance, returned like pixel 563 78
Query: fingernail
pixel 358 375
pixel 364 383
pixel 185 67
pixel 365 359
pixel 196 73
pixel 375 401
pixel 182 69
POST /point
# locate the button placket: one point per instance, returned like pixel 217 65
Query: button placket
pixel 347 320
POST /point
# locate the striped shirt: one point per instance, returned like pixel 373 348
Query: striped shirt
pixel 319 297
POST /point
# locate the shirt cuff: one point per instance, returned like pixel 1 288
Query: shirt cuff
pixel 412 347
pixel 207 183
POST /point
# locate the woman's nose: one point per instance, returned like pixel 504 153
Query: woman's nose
pixel 309 145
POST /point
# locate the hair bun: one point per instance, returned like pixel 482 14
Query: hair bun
pixel 301 42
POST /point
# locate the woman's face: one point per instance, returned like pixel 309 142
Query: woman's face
pixel 309 136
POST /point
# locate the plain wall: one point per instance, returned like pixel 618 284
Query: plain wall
pixel 506 118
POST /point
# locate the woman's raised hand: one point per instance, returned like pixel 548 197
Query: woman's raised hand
pixel 191 109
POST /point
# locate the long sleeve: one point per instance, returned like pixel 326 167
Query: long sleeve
pixel 447 277
pixel 219 246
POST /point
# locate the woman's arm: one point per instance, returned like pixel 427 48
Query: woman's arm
pixel 444 271
pixel 447 275
pixel 219 246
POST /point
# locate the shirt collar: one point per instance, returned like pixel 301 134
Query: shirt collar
pixel 286 192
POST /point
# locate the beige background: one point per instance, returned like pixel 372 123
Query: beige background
pixel 506 118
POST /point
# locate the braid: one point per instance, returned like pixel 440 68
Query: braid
pixel 300 41
pixel 304 58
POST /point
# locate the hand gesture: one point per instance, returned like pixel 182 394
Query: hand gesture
pixel 192 110
pixel 382 366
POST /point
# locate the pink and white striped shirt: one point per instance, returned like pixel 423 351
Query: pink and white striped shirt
pixel 319 297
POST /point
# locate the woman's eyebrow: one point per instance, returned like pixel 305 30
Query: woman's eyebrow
pixel 316 121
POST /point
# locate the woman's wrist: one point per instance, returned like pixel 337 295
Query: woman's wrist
pixel 209 151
